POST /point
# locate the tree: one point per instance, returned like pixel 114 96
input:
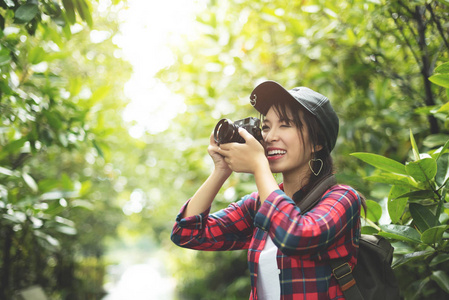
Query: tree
pixel 60 101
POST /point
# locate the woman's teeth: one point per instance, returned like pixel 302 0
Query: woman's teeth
pixel 276 152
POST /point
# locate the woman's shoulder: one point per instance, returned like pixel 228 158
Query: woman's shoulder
pixel 343 186
pixel 254 196
pixel 344 190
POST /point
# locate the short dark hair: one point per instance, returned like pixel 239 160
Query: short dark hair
pixel 302 118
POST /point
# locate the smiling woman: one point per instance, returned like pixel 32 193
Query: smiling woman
pixel 146 29
pixel 289 252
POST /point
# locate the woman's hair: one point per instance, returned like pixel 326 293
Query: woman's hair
pixel 306 120
pixel 317 139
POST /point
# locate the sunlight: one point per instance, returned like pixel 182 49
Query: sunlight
pixel 144 281
pixel 147 27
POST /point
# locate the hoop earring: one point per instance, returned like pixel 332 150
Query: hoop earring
pixel 321 166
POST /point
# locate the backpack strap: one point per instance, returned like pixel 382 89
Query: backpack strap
pixel 343 273
pixel 314 196
pixel 340 267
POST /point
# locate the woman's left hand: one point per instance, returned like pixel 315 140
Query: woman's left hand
pixel 244 158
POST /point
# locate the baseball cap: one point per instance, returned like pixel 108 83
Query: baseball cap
pixel 269 92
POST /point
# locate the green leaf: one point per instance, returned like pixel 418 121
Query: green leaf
pixel 84 11
pixel 406 258
pixel 443 109
pixel 443 68
pixel 369 230
pixel 436 140
pixel 441 278
pixel 30 182
pixel 433 235
pixel 374 211
pixel 69 11
pixel 14 146
pixel 46 185
pixel 418 195
pixel 53 118
pixel 15 217
pixel 414 146
pixel 443 150
pixel 381 162
pixel 396 205
pixel 391 178
pixel 67 31
pixel 422 216
pixel 49 242
pixel 82 204
pixel 422 170
pixel 67 182
pixel 440 258
pixel 66 230
pixel 100 94
pixel 98 148
pixel 6 171
pixel 401 233
pixel 440 79
pixel 442 170
pixel 5 57
pixel 36 55
pixel 26 13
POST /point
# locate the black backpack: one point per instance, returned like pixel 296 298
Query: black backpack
pixel 372 277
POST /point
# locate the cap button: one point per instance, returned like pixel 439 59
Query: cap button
pixel 253 100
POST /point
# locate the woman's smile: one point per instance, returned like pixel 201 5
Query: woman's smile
pixel 275 153
pixel 285 149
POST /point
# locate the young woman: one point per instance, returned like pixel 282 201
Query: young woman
pixel 288 252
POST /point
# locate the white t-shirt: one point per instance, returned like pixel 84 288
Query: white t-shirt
pixel 268 285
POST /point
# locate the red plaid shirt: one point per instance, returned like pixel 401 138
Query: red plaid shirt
pixel 305 242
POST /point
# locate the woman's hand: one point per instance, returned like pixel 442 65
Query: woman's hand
pixel 219 161
pixel 244 158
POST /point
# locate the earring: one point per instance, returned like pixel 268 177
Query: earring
pixel 310 166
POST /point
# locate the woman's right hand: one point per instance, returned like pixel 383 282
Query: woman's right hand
pixel 219 162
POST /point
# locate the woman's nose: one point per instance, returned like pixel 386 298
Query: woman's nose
pixel 271 136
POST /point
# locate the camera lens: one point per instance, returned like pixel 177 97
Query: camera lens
pixel 224 131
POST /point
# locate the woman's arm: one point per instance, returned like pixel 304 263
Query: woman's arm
pixel 206 194
pixel 335 220
pixel 228 229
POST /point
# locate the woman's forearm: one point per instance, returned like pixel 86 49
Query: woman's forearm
pixel 205 195
pixel 266 184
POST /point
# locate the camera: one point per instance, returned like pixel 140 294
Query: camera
pixel 227 132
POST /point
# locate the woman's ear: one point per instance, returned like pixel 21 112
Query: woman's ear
pixel 317 148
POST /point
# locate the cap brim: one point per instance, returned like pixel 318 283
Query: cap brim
pixel 266 94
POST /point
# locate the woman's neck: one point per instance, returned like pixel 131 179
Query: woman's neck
pixel 293 183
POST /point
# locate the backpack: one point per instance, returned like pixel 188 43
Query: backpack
pixel 372 278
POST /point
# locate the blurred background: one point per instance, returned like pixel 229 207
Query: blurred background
pixel 106 108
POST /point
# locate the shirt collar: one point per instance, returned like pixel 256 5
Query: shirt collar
pixel 296 196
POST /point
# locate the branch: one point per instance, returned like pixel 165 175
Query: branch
pixel 425 70
pixel 409 45
pixel 437 22
pixel 405 7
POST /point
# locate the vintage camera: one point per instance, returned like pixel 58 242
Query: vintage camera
pixel 227 132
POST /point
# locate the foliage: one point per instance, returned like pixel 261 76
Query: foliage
pixel 418 209
pixel 59 108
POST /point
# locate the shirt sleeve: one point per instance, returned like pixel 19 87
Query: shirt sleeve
pixel 228 229
pixel 335 218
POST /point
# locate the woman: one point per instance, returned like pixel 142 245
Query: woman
pixel 288 252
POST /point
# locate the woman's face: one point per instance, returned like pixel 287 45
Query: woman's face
pixel 286 150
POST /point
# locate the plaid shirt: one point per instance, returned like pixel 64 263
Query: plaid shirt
pixel 305 242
